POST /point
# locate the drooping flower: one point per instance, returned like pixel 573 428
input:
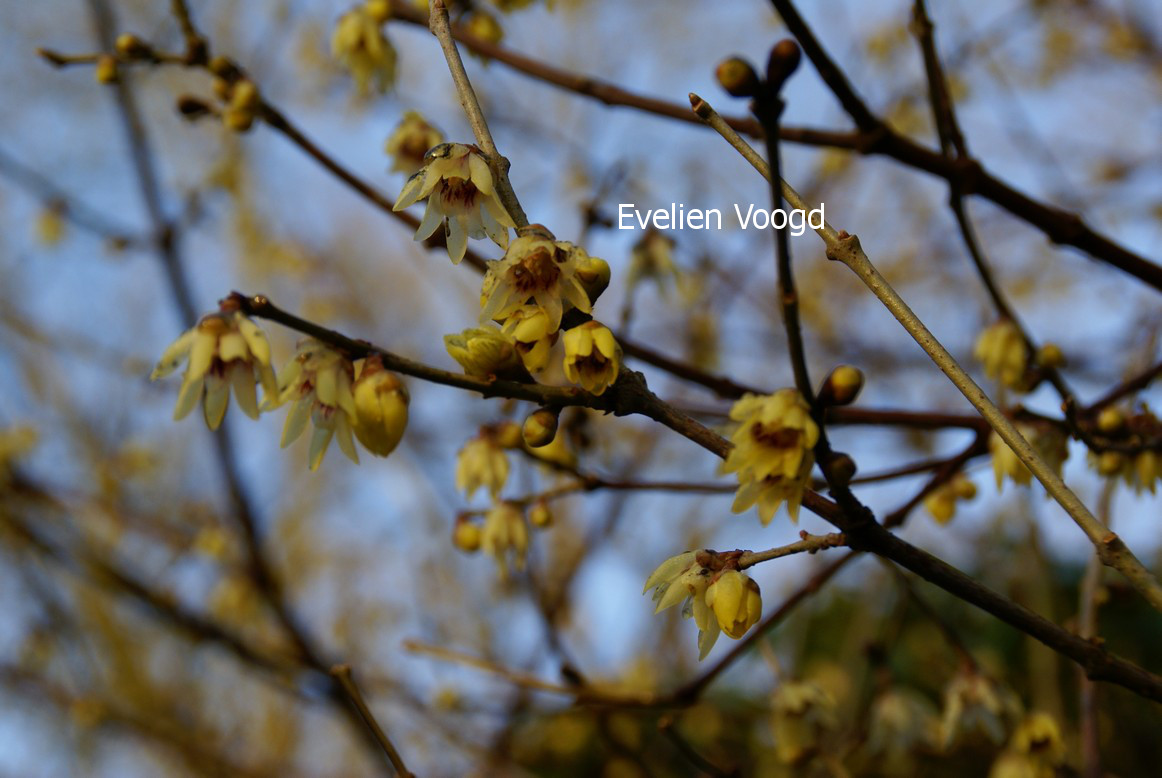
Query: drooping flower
pixel 538 268
pixel 592 356
pixel 458 184
pixel 683 579
pixel 409 142
pixel 773 452
pixel 481 462
pixel 466 535
pixel 381 407
pixel 224 350
pixel 1048 441
pixel 652 258
pixel 360 45
pixel 1036 750
pixel 975 703
pixel 1004 354
pixel 318 383
pixel 736 601
pixel 802 715
pixel 529 328
pixel 485 352
pixel 505 536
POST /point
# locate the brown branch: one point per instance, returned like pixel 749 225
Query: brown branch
pixel 342 674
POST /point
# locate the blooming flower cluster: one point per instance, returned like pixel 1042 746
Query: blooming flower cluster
pixel 724 601
pixel 226 351
pixel 1036 750
pixel 773 452
pixel 1048 441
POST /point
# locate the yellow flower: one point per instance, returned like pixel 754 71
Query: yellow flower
pixel 481 463
pixel 1004 354
pixel 409 142
pixel 941 502
pixel 381 407
pixel 535 267
pixel 359 44
pixel 736 601
pixel 652 257
pixel 223 350
pixel 458 185
pixel 505 536
pixel 484 26
pixel 683 579
pixel 802 714
pixel 972 702
pixel 466 536
pixel 485 352
pixel 529 328
pixel 1048 441
pixel 243 104
pixel 592 356
pixel 318 383
pixel 773 452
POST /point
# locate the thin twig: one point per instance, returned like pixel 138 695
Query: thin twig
pixel 1087 627
pixel 342 674
pixel 442 29
pixel 809 544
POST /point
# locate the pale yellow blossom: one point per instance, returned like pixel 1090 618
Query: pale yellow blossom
pixel 592 356
pixel 317 382
pixel 410 141
pixel 360 45
pixel 505 536
pixel 1004 354
pixel 535 268
pixel 381 407
pixel 481 463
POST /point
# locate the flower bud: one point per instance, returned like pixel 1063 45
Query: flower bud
pixel 842 386
pixel 736 602
pixel 839 468
pixel 1049 355
pixel 485 27
pixel 539 515
pixel 236 120
pixel 737 77
pixel 540 427
pixel 106 72
pixel 507 434
pixel 379 10
pixel 130 46
pixel 1111 420
pixel 594 275
pixel 484 352
pixel 466 536
pixel 1110 463
pixel 381 407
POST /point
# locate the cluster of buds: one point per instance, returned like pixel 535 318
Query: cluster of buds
pixel 360 46
pixel 712 591
pixel 226 351
pixel 503 533
pixel 941 501
pixel 773 452
pixel 1140 469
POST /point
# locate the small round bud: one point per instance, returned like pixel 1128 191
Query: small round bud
pixel 594 275
pixel 192 107
pixel 485 27
pixel 737 77
pixel 237 120
pixel 842 386
pixel 963 488
pixel 507 434
pixel 378 10
pixel 130 46
pixel 1110 463
pixel 244 96
pixel 466 536
pixel 1111 420
pixel 839 469
pixel 784 59
pixel 540 427
pixel 106 72
pixel 1050 356
pixel 539 515
pixel 224 69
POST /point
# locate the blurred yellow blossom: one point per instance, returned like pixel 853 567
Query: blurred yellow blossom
pixel 317 382
pixel 410 141
pixel 360 45
pixel 505 536
pixel 481 462
pixel 1004 354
